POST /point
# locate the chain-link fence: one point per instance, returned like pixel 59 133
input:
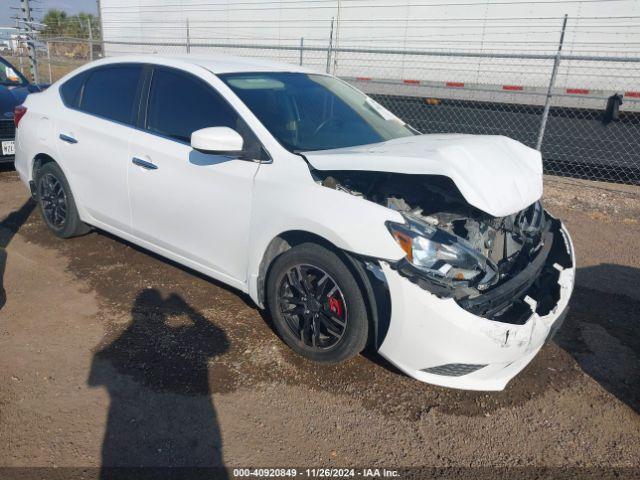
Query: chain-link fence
pixel 582 111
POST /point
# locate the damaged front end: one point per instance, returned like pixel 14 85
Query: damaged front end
pixel 500 268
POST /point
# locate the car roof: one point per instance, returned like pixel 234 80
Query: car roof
pixel 215 63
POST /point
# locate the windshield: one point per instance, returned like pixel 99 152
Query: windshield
pixel 8 75
pixel 315 112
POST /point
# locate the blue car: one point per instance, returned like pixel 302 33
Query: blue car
pixel 14 88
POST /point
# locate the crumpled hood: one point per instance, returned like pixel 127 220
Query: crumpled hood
pixel 495 174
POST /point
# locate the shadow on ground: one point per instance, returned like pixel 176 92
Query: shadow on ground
pixel 157 374
pixel 602 333
pixel 8 228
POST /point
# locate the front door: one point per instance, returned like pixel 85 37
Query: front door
pixel 196 206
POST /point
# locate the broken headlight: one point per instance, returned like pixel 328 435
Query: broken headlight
pixel 444 258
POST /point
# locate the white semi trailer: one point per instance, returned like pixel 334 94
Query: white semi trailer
pixel 471 66
pixel 602 28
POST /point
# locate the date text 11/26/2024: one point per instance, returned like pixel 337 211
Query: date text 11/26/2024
pixel 315 472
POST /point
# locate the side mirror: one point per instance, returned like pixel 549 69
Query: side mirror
pixel 217 140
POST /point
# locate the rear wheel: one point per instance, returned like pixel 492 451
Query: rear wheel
pixel 316 304
pixel 56 202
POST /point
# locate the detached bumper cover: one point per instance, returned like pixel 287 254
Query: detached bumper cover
pixel 430 337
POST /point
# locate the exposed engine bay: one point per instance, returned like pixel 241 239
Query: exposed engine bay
pixel 507 241
pixel 503 247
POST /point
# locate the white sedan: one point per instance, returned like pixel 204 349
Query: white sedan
pixel 351 227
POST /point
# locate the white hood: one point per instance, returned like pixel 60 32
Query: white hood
pixel 495 174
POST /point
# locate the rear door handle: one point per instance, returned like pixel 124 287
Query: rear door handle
pixel 144 164
pixel 67 138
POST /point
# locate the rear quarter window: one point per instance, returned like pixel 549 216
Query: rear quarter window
pixel 111 92
pixel 70 90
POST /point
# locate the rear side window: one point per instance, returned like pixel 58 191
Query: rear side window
pixel 110 92
pixel 180 104
pixel 70 90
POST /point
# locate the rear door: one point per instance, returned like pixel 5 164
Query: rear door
pixel 195 205
pixel 93 140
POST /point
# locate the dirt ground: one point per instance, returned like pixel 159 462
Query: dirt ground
pixel 110 355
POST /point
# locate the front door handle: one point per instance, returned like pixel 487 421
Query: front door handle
pixel 67 138
pixel 144 164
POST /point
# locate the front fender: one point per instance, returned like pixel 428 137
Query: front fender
pixel 294 202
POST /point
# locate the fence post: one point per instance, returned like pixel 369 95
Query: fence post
pixel 90 40
pixel 101 30
pixel 188 38
pixel 49 62
pixel 552 83
pixel 330 46
pixel 301 49
pixel 337 51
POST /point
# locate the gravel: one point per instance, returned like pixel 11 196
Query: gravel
pixel 113 356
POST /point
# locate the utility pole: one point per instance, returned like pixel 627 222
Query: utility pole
pixel 17 44
pixel 27 19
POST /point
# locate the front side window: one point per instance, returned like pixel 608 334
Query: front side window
pixel 180 104
pixel 315 112
pixel 110 92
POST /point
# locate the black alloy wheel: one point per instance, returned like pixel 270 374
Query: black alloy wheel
pixel 313 306
pixel 316 303
pixel 54 201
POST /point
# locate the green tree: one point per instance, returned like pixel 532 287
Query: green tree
pixel 55 21
pixel 60 24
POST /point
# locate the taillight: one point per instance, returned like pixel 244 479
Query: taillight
pixel 18 113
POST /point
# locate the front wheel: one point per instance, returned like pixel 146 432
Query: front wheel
pixel 316 304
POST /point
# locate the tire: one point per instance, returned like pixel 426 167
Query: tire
pixel 57 206
pixel 329 323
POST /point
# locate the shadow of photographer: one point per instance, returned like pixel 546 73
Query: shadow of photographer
pixel 156 372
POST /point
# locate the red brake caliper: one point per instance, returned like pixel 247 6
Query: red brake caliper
pixel 335 306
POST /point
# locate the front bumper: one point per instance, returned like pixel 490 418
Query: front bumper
pixel 437 341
